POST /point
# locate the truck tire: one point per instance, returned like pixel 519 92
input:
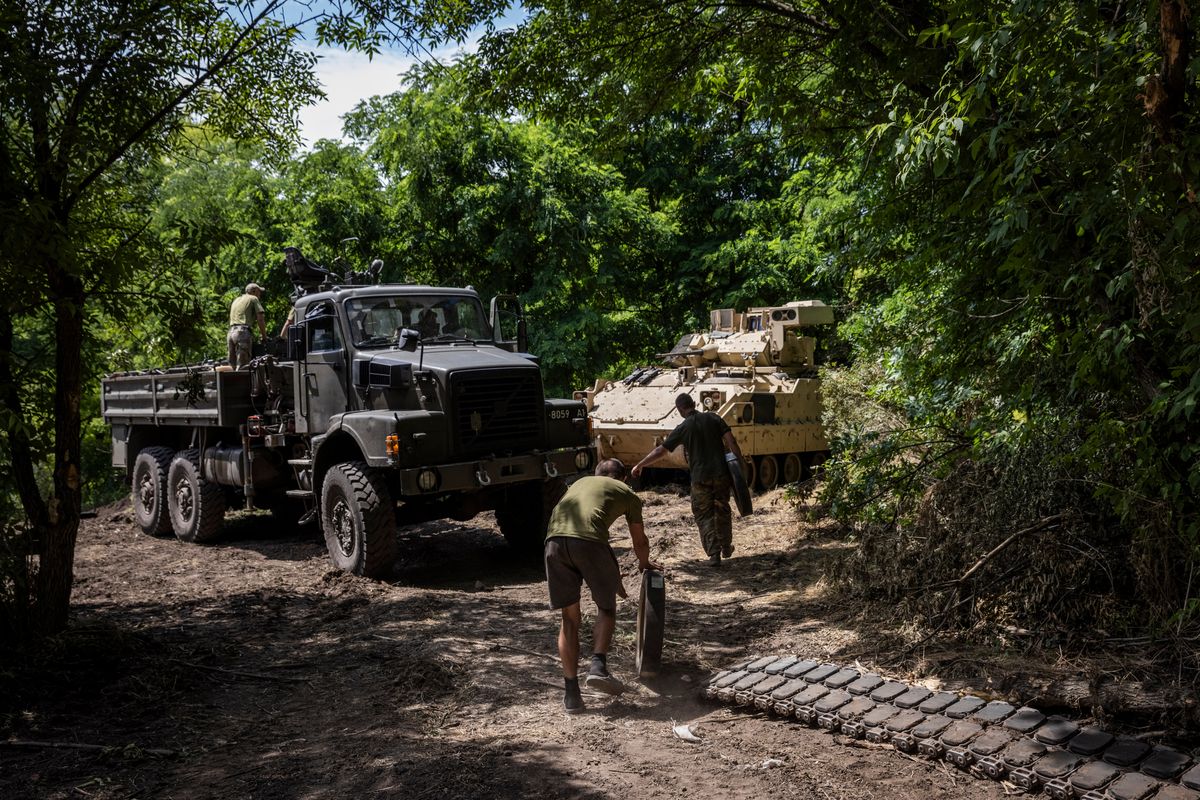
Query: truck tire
pixel 197 505
pixel 149 489
pixel 526 512
pixel 358 519
pixel 651 623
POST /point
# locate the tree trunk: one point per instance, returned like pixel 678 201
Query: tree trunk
pixel 1128 701
pixel 56 570
pixel 1164 94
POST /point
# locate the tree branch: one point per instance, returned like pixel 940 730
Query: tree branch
pixel 231 54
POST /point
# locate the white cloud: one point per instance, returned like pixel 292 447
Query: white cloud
pixel 348 78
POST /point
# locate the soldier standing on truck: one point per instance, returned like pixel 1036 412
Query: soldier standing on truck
pixel 705 438
pixel 577 552
pixel 287 323
pixel 243 314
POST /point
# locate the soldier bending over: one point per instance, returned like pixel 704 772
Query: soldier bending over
pixel 577 552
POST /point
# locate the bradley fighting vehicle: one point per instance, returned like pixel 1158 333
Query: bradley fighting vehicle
pixel 395 404
pixel 755 369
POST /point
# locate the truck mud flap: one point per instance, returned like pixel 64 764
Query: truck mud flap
pixel 1022 747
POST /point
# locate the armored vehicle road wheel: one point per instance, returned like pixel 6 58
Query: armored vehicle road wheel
pixel 793 468
pixel 149 489
pixel 768 473
pixel 358 519
pixel 525 513
pixel 651 623
pixel 197 505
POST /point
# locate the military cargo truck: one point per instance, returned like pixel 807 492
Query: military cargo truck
pixel 395 404
pixel 755 369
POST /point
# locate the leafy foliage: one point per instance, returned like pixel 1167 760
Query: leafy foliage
pixel 96 95
pixel 1012 246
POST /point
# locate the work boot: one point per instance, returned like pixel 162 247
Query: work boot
pixel 599 679
pixel 572 700
pixel 714 560
pixel 727 551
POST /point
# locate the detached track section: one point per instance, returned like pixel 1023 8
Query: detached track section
pixel 996 741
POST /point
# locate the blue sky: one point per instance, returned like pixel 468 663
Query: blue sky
pixel 348 78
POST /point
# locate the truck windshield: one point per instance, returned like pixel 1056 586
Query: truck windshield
pixel 376 321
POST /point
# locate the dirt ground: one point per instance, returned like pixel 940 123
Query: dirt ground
pixel 251 669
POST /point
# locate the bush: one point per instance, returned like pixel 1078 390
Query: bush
pixel 1009 526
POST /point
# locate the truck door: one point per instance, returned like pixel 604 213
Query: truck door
pixel 324 375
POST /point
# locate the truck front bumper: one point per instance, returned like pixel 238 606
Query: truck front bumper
pixel 492 472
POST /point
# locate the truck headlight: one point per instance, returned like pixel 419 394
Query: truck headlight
pixel 583 460
pixel 428 480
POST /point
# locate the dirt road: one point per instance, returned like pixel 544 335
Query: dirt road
pixel 262 673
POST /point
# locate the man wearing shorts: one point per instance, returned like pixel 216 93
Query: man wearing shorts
pixel 577 552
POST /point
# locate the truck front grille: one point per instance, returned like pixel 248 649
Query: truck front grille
pixel 497 410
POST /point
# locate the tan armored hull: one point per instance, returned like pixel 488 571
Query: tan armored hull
pixel 752 369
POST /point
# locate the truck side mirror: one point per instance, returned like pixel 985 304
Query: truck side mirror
pixel 408 339
pixel 296 340
pixel 506 309
pixel 522 336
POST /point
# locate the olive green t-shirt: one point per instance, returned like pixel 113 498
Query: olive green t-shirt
pixel 702 434
pixel 590 506
pixel 245 311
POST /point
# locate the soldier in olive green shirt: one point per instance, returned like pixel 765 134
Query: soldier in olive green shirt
pixel 243 314
pixel 577 552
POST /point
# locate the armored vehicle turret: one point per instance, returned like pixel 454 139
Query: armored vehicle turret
pixel 755 369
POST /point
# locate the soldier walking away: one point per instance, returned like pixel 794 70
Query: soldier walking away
pixel 245 312
pixel 577 552
pixel 705 438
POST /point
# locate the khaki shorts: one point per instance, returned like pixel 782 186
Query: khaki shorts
pixel 571 562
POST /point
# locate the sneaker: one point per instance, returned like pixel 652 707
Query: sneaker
pixel 726 552
pixel 603 682
pixel 714 560
pixel 573 700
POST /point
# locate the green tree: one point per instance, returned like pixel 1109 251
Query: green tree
pixel 1014 236
pixel 514 206
pixel 94 93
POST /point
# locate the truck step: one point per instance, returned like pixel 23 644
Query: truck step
pixel 300 462
pixel 302 493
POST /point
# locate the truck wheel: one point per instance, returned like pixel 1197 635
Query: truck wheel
pixel 149 489
pixel 651 623
pixel 526 513
pixel 749 472
pixel 197 505
pixel 359 520
pixel 768 473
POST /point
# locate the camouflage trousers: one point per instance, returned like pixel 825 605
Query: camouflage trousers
pixel 240 342
pixel 710 507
